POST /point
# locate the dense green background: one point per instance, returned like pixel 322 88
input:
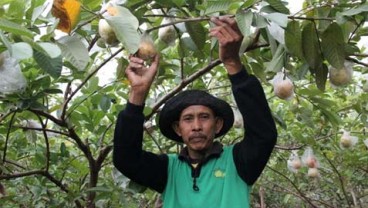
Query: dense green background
pixel 56 134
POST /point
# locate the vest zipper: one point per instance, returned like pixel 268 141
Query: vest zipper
pixel 195 174
pixel 195 187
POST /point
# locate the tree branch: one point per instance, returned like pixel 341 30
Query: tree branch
pixel 183 84
pixel 7 136
pixel 87 78
pixel 294 185
pixel 339 177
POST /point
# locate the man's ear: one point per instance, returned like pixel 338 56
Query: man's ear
pixel 176 128
pixel 219 124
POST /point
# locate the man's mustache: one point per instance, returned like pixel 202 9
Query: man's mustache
pixel 197 135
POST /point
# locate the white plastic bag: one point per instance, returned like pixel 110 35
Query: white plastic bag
pixel 294 163
pixel 283 87
pixel 347 141
pixel 309 159
pixel 11 77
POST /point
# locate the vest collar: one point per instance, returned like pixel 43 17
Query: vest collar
pixel 215 151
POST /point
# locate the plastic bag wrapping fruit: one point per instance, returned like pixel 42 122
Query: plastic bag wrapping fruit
pixel 167 34
pixel 294 163
pixel 11 77
pixel 347 141
pixel 309 159
pixel 283 87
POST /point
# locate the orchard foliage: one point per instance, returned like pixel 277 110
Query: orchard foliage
pixel 62 86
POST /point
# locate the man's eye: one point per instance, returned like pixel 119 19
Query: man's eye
pixel 187 118
pixel 205 116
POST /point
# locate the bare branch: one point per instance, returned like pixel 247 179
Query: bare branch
pixel 294 185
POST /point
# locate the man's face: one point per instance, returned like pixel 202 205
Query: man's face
pixel 197 126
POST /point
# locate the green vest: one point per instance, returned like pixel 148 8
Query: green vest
pixel 219 184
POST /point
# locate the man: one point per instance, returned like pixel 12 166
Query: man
pixel 205 173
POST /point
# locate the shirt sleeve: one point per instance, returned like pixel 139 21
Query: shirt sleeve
pixel 252 153
pixel 145 168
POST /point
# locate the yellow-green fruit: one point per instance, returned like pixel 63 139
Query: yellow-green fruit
pixel 107 33
pixel 340 77
pixel 146 50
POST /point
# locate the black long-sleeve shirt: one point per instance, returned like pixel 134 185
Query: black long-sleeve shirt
pixel 250 155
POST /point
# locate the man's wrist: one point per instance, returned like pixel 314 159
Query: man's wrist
pixel 233 66
pixel 137 98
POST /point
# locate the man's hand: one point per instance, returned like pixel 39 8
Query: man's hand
pixel 140 78
pixel 230 38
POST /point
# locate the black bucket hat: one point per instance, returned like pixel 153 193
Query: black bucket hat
pixel 174 106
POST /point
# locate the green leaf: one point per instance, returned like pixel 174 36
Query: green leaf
pixel 105 103
pixel 278 18
pixel 100 189
pixel 260 21
pixel 278 119
pixel 22 50
pixel 244 20
pixel 331 116
pixel 277 61
pixel 63 150
pixel 136 187
pixel 259 71
pixel 323 102
pixel 278 6
pixel 11 27
pixel 197 33
pixel 53 91
pixel 216 6
pixel 333 45
pixel 293 39
pixel 6 43
pixel 310 46
pixel 360 9
pixel 50 49
pixel 249 3
pixel 125 26
pixel 74 51
pixel 321 76
pixel 50 65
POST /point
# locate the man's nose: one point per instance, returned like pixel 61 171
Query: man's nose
pixel 196 125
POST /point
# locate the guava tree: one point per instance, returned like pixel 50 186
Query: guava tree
pixel 62 85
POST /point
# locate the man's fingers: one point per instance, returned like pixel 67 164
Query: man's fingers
pixel 136 65
pixel 135 59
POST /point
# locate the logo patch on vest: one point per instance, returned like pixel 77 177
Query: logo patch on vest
pixel 218 173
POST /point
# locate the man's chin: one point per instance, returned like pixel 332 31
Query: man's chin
pixel 198 146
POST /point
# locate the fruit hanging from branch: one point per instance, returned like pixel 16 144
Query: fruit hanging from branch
pixel 147 49
pixel 167 34
pixel 341 77
pixel 313 172
pixel 309 159
pixel 283 87
pixel 107 33
pixel 294 163
pixel 347 141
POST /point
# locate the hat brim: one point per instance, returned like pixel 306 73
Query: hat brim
pixel 171 111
